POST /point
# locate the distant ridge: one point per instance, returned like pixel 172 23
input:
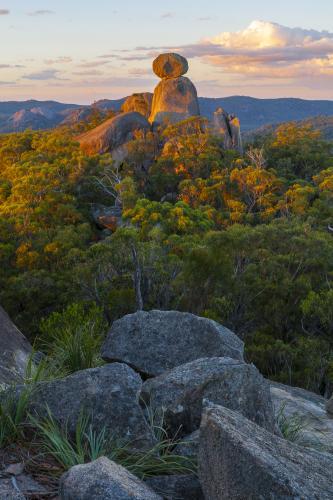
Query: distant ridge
pixel 253 113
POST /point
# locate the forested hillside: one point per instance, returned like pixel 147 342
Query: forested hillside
pixel 243 239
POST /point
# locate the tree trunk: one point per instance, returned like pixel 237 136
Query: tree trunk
pixel 137 279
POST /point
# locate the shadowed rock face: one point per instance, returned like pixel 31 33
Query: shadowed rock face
pixel 141 103
pixel 103 480
pixel 109 396
pixel 112 133
pixel 179 394
pixel 228 127
pixel 175 99
pixel 155 341
pixel 14 351
pixel 240 460
pixel 170 65
pixel 311 411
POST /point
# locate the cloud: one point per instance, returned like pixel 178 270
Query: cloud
pixel 263 50
pixel 41 12
pixel 204 18
pixel 140 71
pixel 59 60
pixel 93 64
pixel 4 12
pixel 167 15
pixel 46 74
pixel 5 66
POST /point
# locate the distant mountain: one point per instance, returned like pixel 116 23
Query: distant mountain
pixel 253 113
pixel 322 123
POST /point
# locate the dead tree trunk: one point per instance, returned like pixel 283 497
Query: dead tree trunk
pixel 137 279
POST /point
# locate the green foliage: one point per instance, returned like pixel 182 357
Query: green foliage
pixel 292 427
pixel 73 338
pixel 88 445
pixel 240 239
pixel 13 411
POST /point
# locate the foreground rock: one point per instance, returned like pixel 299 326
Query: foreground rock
pixel 329 406
pixel 175 99
pixel 113 133
pixel 179 487
pixel 140 102
pixel 179 394
pixel 170 65
pixel 103 480
pixel 108 395
pixel 310 410
pixel 15 351
pixel 240 460
pixel 155 341
pixel 188 446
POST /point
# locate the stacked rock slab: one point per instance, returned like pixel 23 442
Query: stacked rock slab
pixel 155 341
pixel 240 460
pixel 139 102
pixel 175 97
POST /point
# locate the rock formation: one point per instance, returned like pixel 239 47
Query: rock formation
pixel 113 133
pixel 240 460
pixel 15 351
pixel 141 103
pixel 155 341
pixel 175 97
pixel 228 127
pixel 178 394
pixel 174 100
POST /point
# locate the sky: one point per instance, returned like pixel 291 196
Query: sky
pixel 81 51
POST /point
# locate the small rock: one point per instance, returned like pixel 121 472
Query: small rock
pixel 170 65
pixel 179 487
pixel 103 480
pixel 240 460
pixel 189 446
pixel 155 341
pixel 14 469
pixel 179 394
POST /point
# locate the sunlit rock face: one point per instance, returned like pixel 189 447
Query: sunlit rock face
pixel 113 133
pixel 175 97
pixel 139 102
pixel 170 65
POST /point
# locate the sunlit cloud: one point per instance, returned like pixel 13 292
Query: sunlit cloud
pixel 59 60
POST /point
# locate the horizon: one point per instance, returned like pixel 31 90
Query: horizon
pixel 200 97
pixel 103 51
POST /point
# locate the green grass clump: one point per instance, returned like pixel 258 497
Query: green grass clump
pixel 88 444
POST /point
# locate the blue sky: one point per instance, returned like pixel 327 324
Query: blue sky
pixel 80 51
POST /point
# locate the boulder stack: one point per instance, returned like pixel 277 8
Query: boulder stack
pixel 228 127
pixel 175 97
